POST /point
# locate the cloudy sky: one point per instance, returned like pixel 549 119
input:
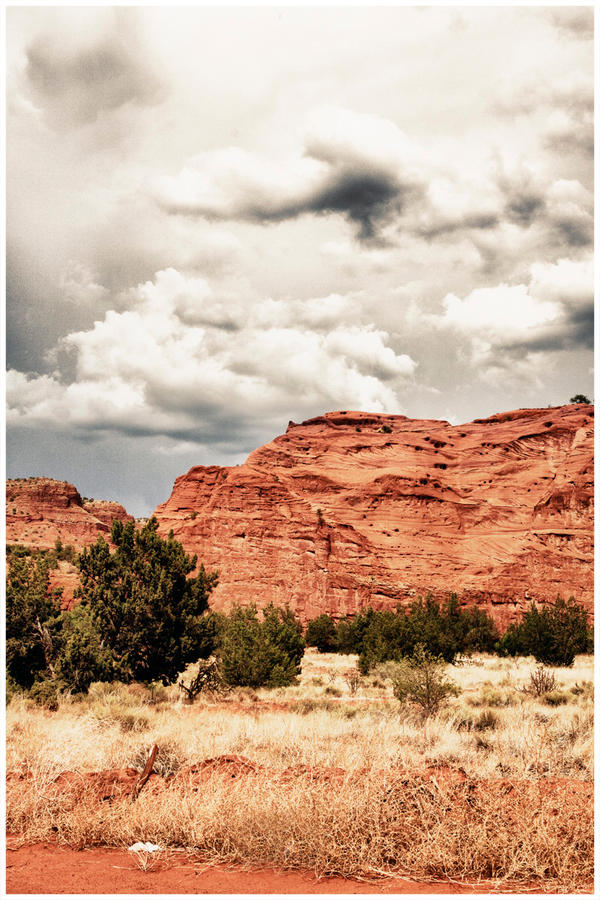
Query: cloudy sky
pixel 223 219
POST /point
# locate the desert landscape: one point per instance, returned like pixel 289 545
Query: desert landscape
pixel 494 792
pixel 299 449
pixel 327 771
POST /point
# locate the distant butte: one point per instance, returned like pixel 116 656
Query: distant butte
pixel 351 509
pixel 40 511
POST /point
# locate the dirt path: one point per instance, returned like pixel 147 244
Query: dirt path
pixel 49 869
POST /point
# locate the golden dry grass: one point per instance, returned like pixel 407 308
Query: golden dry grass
pixel 377 822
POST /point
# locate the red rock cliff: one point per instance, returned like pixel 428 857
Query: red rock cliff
pixel 350 509
pixel 39 511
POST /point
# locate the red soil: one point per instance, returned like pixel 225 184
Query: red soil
pixel 50 869
pixel 113 783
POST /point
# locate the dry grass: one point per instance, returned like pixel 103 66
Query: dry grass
pixel 363 825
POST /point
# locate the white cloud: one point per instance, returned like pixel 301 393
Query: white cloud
pixel 232 183
pixel 568 282
pixel 503 310
pixel 78 285
pixel 178 358
pixel 554 309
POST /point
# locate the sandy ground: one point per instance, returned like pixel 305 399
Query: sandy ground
pixel 49 869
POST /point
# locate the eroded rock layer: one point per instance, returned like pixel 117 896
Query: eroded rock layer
pixel 40 511
pixel 351 509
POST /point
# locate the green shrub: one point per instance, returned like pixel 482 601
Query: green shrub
pixel 143 604
pixel 32 619
pixel 421 679
pixel 12 689
pixel 45 693
pixel 446 631
pixel 62 552
pixel 553 635
pixel 321 633
pixel 82 658
pixel 555 698
pixel 255 652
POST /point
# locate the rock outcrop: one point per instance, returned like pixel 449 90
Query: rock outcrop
pixel 40 511
pixel 351 509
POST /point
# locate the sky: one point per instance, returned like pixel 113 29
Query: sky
pixel 222 219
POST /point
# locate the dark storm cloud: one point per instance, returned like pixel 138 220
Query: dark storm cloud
pixel 366 198
pixel 523 209
pixel 574 331
pixel 365 195
pixel 76 87
pixel 571 228
pixel 30 330
pixel 581 324
pixel 577 136
pixel 38 314
pixel 469 221
pixel 574 232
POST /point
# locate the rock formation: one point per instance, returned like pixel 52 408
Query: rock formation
pixel 40 511
pixel 351 509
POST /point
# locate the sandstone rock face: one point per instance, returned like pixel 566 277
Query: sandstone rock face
pixel 353 509
pixel 39 511
pixel 66 579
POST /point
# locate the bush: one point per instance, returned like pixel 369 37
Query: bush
pixel 553 635
pixel 255 652
pixel 129 720
pixel 321 633
pixel 421 680
pixel 487 720
pixel 143 604
pixel 555 698
pixel 62 552
pixel 45 693
pixel 32 619
pixel 541 681
pixel 352 679
pixel 208 679
pixel 445 631
pixel 82 658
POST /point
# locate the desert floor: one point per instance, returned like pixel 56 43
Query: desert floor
pixel 330 786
